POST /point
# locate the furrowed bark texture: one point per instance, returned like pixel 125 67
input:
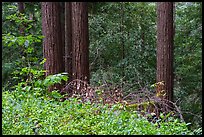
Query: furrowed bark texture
pixel 52 42
pixel 68 40
pixel 62 22
pixel 80 41
pixel 165 48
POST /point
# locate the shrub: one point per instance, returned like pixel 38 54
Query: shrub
pixel 25 113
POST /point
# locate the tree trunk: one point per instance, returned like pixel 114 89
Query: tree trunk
pixel 142 25
pixel 21 9
pixel 68 40
pixel 62 22
pixel 165 49
pixel 52 43
pixel 122 39
pixel 80 41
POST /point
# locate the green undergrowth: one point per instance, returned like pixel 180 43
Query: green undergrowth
pixel 28 113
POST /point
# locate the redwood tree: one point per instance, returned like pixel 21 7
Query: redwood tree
pixel 165 48
pixel 62 22
pixel 68 40
pixel 80 41
pixel 52 42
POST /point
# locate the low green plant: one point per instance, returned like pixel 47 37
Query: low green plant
pixel 25 113
pixel 36 83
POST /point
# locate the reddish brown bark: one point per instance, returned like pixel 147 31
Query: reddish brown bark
pixel 80 41
pixel 68 40
pixel 62 22
pixel 52 43
pixel 165 48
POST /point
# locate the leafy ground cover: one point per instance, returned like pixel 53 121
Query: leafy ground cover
pixel 30 113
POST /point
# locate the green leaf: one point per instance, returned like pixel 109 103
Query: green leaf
pixel 56 95
pixel 42 62
pixel 27 88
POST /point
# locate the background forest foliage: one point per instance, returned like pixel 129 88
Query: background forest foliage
pixel 140 52
pixel 122 49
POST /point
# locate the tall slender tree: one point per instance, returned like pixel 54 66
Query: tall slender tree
pixel 21 9
pixel 52 43
pixel 165 49
pixel 122 37
pixel 68 40
pixel 80 41
pixel 62 22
